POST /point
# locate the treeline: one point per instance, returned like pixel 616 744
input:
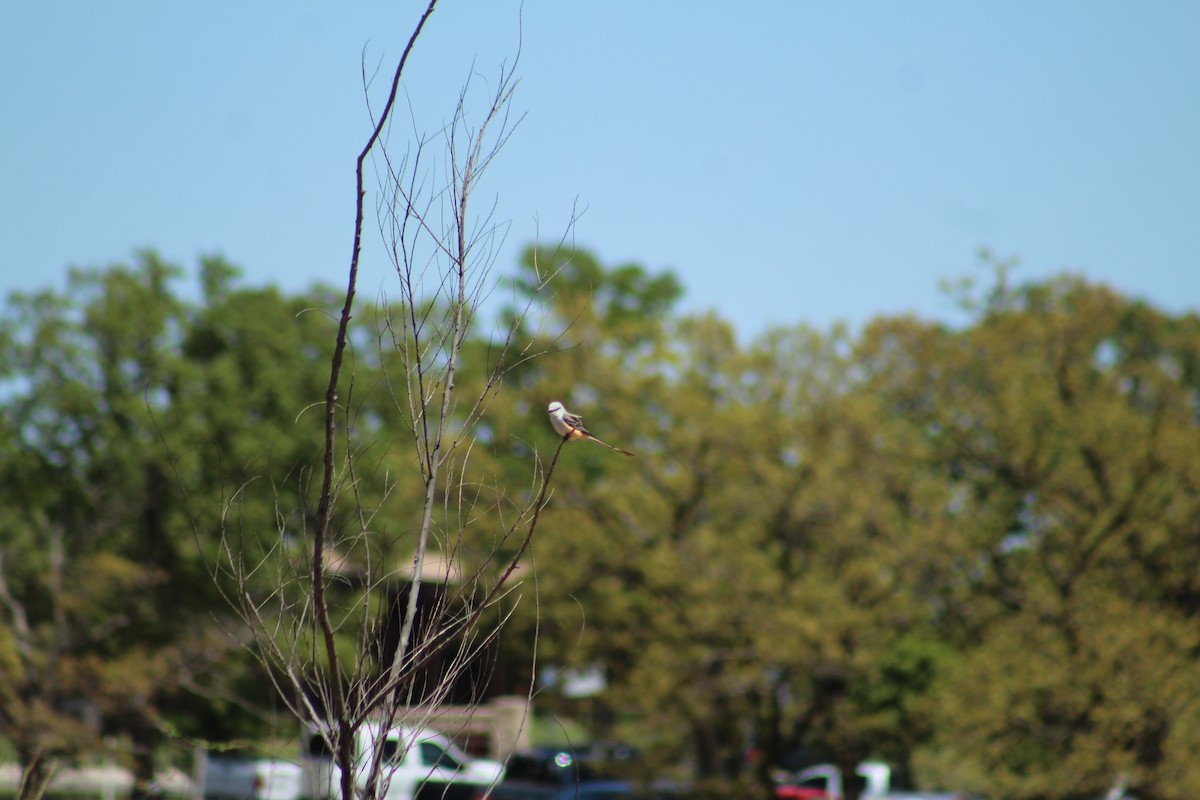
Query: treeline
pixel 970 551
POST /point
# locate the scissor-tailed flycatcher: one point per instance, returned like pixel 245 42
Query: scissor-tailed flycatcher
pixel 570 426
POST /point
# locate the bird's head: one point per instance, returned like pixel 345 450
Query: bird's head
pixel 555 407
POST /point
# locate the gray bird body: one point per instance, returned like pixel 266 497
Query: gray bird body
pixel 570 426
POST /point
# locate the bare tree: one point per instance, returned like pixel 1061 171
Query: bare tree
pixel 442 257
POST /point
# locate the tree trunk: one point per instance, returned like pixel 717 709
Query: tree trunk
pixel 144 787
pixel 36 772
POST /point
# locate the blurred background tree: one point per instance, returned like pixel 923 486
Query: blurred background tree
pixel 963 550
pixel 957 550
pixel 112 619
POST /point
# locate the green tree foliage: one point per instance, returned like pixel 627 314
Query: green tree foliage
pixel 733 581
pixel 131 424
pixel 967 551
pixel 1065 419
pixel 963 551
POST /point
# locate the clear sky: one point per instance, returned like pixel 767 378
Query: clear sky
pixel 791 161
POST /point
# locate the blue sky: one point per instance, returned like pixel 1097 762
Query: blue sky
pixel 792 162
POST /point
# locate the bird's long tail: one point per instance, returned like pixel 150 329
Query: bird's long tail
pixel 609 446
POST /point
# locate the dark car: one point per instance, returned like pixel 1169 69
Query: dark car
pixel 567 775
pixel 593 790
pixel 542 774
pixel 597 790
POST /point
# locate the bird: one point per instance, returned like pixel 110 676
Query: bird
pixel 570 426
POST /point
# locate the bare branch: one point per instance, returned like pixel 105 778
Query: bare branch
pixel 326 499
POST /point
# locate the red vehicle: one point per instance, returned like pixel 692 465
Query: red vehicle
pixel 787 792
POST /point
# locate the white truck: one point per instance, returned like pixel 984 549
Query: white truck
pixel 825 780
pixel 417 763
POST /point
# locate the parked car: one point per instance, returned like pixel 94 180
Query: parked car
pixel 603 790
pixel 824 782
pixel 560 774
pixel 418 762
pixel 541 774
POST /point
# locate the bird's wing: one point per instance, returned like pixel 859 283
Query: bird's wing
pixel 574 420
